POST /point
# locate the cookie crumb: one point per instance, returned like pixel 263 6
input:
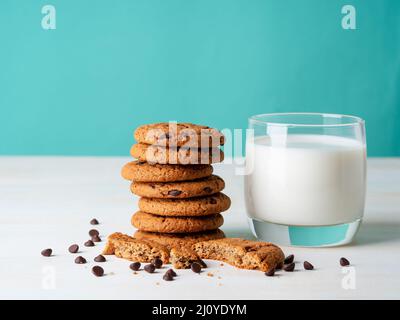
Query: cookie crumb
pixel 210 274
pixel 157 283
pixel 219 277
pixel 221 264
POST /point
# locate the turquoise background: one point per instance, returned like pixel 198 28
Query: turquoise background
pixel 112 65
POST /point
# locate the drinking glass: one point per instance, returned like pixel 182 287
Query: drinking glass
pixel 306 178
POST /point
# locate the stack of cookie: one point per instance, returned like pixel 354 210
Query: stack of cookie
pixel 181 200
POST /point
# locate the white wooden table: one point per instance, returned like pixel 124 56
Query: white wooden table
pixel 49 201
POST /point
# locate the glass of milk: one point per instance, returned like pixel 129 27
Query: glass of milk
pixel 306 178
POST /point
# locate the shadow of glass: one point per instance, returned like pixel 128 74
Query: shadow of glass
pixel 377 232
pixel 369 233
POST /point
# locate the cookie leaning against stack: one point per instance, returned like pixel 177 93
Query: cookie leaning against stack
pixel 181 200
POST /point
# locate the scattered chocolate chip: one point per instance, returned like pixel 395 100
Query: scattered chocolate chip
pixel 196 267
pixel 96 238
pixel 207 190
pixel 157 262
pixel 150 268
pixel 307 265
pixel 344 262
pixel 73 248
pixel 80 260
pixel 289 267
pixel 93 232
pixel 168 277
pixel 174 193
pixel 94 221
pixel 270 272
pixel 100 258
pixel 46 252
pixel 135 266
pixel 98 271
pixel 171 272
pixel 89 243
pixel 289 259
pixel 202 263
pixel 213 201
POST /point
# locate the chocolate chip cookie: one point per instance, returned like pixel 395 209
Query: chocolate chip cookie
pixel 153 223
pixel 126 247
pixel 191 207
pixel 176 155
pixel 241 253
pixel 145 172
pixel 170 240
pixel 178 190
pixel 183 257
pixel 179 134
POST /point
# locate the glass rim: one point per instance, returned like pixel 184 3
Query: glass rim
pixel 356 120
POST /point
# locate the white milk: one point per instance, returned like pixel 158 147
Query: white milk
pixel 306 180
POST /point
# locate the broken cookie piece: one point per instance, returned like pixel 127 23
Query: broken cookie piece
pixel 126 247
pixel 170 240
pixel 241 253
pixel 183 257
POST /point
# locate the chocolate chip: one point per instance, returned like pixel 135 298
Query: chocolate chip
pixel 94 221
pixel 344 262
pixel 98 271
pixel 171 272
pixel 135 266
pixel 168 277
pixel 202 263
pixel 100 258
pixel 157 262
pixel 150 268
pixel 174 193
pixel 213 201
pixel 289 267
pixel 73 248
pixel 93 232
pixel 289 259
pixel 46 252
pixel 270 272
pixel 196 267
pixel 164 136
pixel 207 189
pixel 80 260
pixel 96 238
pixel 307 265
pixel 89 243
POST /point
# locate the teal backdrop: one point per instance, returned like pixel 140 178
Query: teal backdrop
pixel 110 66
